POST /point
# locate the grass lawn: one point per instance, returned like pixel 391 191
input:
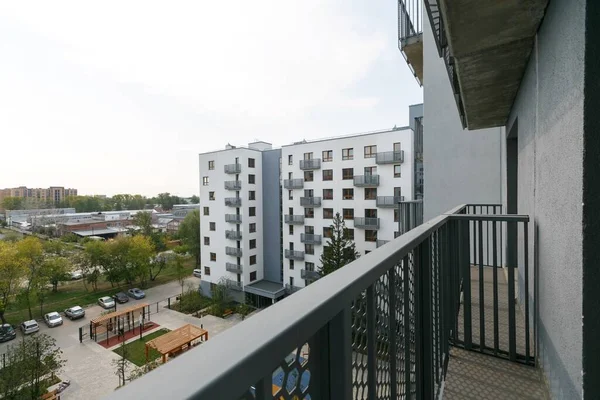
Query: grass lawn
pixel 136 351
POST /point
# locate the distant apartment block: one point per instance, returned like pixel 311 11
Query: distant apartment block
pixel 53 194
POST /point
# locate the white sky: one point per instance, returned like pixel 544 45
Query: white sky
pixel 120 96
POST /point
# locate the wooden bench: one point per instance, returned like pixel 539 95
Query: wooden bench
pixel 227 313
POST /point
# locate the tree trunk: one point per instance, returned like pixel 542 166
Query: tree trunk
pixel 29 304
pixel 2 317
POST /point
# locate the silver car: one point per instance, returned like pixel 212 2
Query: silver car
pixel 74 312
pixel 106 302
pixel 29 327
pixel 53 319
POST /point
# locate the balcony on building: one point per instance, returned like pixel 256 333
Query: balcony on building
pixel 410 35
pixel 381 242
pixel 235 268
pixel 233 251
pixel 312 164
pixel 309 275
pixel 366 223
pixel 294 255
pixel 233 185
pixel 233 235
pixel 310 201
pixel 310 238
pixel 388 201
pixel 390 157
pixel 234 285
pixel 233 201
pixel 366 180
pixel 293 183
pixel 233 218
pixel 233 168
pixel 294 219
pixel 289 289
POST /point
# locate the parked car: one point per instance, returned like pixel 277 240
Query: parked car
pixel 7 332
pixel 28 327
pixel 197 273
pixel 76 275
pixel 53 319
pixel 106 302
pixel 74 312
pixel 136 293
pixel 121 297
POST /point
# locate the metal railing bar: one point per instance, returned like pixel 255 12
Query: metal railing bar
pixel 526 273
pixel 512 262
pixel 466 285
pixel 407 364
pixel 481 289
pixel 371 344
pixel 495 289
pixel 392 332
pixel 490 217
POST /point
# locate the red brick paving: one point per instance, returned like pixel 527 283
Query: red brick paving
pixel 114 340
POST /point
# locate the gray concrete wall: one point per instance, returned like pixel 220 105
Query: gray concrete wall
pixel 549 113
pixel 271 215
pixel 460 166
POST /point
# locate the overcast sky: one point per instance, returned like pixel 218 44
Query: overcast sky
pixel 120 96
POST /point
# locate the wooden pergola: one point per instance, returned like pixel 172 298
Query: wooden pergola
pixel 117 320
pixel 175 341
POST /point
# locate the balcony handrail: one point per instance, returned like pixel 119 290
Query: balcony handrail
pixel 410 18
pixel 236 365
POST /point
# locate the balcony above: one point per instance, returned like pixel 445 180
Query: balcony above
pixel 234 285
pixel 233 168
pixel 389 201
pixel 294 255
pixel 233 201
pixel 233 251
pixel 410 35
pixel 486 49
pixel 381 242
pixel 309 275
pixel 293 183
pixel 235 268
pixel 233 185
pixel 310 238
pixel 233 218
pixel 366 180
pixel 294 219
pixel 307 165
pixel 366 223
pixel 390 157
pixel 233 235
pixel 310 201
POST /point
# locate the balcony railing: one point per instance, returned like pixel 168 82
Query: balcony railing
pixel 234 285
pixel 381 242
pixel 410 34
pixel 233 201
pixel 294 255
pixel 233 251
pixel 293 183
pixel 235 268
pixel 389 201
pixel 366 223
pixel 366 180
pixel 291 288
pixel 310 238
pixel 410 215
pixel 310 201
pixel 294 219
pixel 390 157
pixel 383 324
pixel 309 275
pixel 315 163
pixel 233 185
pixel 233 218
pixel 233 168
pixel 233 235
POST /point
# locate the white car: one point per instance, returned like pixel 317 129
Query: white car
pixel 76 275
pixel 53 319
pixel 106 302
pixel 197 273
pixel 28 327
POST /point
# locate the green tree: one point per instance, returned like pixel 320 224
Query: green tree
pixel 12 237
pixel 91 261
pixel 30 251
pixel 339 250
pixel 56 269
pixel 221 297
pixel 189 233
pixel 121 365
pixel 12 203
pixel 12 271
pixel 195 199
pixel 144 221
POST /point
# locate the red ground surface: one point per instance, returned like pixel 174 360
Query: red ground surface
pixel 114 340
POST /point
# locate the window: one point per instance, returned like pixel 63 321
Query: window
pixel 291 281
pixel 367 252
pixel 252 243
pixel 205 181
pixel 206 241
pixel 309 248
pixel 291 264
pixel 370 236
pixel 327 232
pixel 348 213
pixel 327 155
pixel 309 213
pixel 309 193
pixel 327 174
pixel 290 160
pixel 252 276
pixel 211 165
pixel 396 171
pixel 206 270
pixel 348 173
pixel 308 156
pixel 212 226
pixel 253 260
pixel 251 163
pixel 349 233
pixel 251 195
pixel 370 151
pixel 347 154
pixel 370 193
pixel 370 170
pixel 371 212
pixel 252 211
pixel 328 213
pixel 251 179
pixel 289 175
pixel 309 229
pixel 213 256
pixel 397 148
pixel 252 227
pixel 290 195
pixel 396 215
pixel 205 210
pixel 327 194
pixel 347 194
pixel 309 266
pixel 308 176
pixel 211 195
pixel 291 229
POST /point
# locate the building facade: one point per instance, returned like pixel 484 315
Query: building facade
pixel 51 195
